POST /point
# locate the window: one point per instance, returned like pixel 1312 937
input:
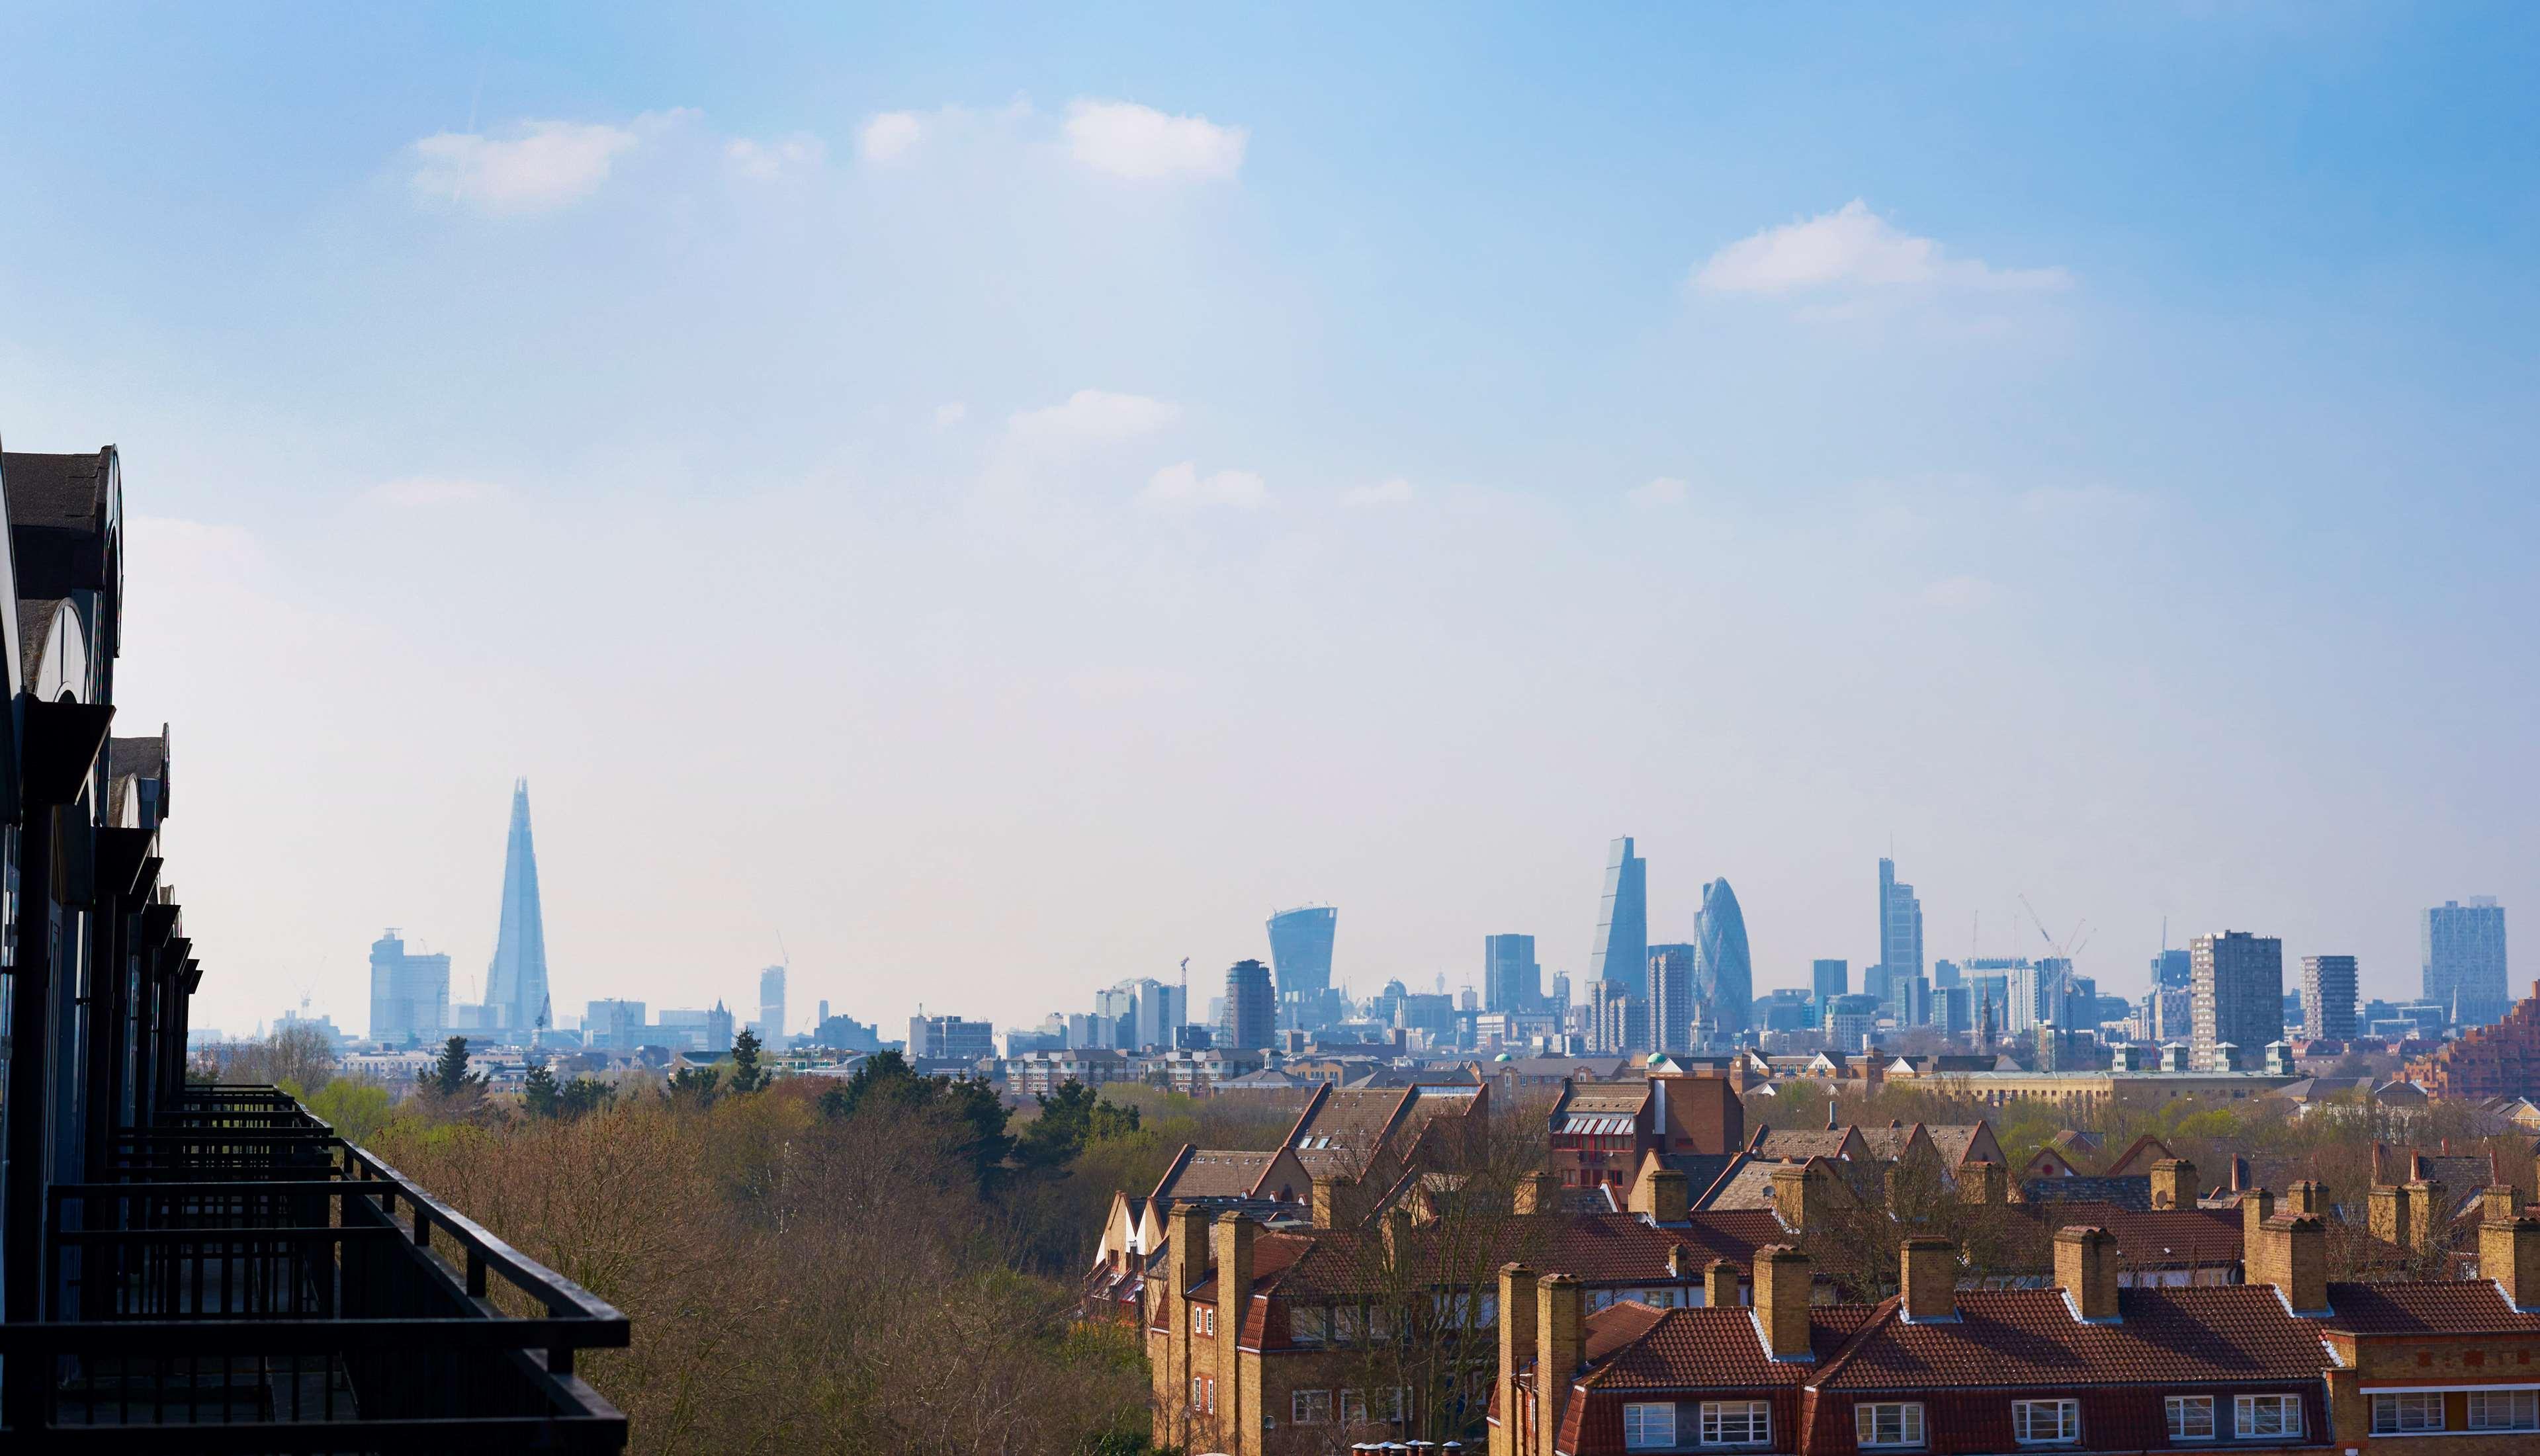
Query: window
pixel 1203 1321
pixel 1311 1408
pixel 2047 1423
pixel 1310 1324
pixel 2505 1410
pixel 1736 1422
pixel 1648 1426
pixel 1353 1408
pixel 2266 1415
pixel 2191 1417
pixel 2415 1410
pixel 1896 1424
pixel 1196 1394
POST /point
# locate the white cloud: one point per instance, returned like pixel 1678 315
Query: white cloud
pixel 1183 486
pixel 536 166
pixel 1666 490
pixel 1854 248
pixel 951 414
pixel 1095 416
pixel 889 136
pixel 1961 592
pixel 420 491
pixel 1143 143
pixel 766 161
pixel 1394 492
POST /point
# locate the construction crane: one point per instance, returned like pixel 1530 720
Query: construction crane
pixel 2064 950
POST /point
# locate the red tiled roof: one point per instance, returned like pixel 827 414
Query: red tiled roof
pixel 1688 1349
pixel 2163 1239
pixel 2417 1306
pixel 2029 1338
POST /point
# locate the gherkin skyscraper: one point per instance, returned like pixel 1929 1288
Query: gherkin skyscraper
pixel 516 984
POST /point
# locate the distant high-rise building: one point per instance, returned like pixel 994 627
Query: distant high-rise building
pixel 1301 951
pixel 2464 957
pixel 1727 974
pixel 613 1025
pixel 1900 934
pixel 2328 996
pixel 1622 951
pixel 1945 974
pixel 1830 979
pixel 771 1008
pixel 1251 1013
pixel 1618 1021
pixel 516 984
pixel 1511 979
pixel 2236 995
pixel 410 993
pixel 950 1039
pixel 2172 970
pixel 1675 988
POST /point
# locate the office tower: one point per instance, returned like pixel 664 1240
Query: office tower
pixel 2023 1001
pixel 1900 933
pixel 771 1009
pixel 1559 1000
pixel 410 993
pixel 2237 996
pixel 1727 975
pixel 950 1039
pixel 2464 959
pixel 1675 988
pixel 516 984
pixel 1511 979
pixel 2328 996
pixel 2172 970
pixel 613 1025
pixel 1952 1011
pixel 1622 951
pixel 1301 950
pixel 1115 1018
pixel 1830 979
pixel 1618 1021
pixel 1945 974
pixel 1251 1012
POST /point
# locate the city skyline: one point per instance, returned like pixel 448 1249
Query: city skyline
pixel 1184 475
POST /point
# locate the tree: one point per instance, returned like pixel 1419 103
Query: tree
pixel 449 1076
pixel 1071 1118
pixel 538 1095
pixel 692 1085
pixel 746 1074
pixel 583 1095
pixel 885 1085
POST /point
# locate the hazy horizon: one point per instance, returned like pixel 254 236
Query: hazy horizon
pixel 997 503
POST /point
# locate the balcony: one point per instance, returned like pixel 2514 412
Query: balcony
pixel 247 1281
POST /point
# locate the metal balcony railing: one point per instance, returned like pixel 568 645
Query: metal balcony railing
pixel 251 1283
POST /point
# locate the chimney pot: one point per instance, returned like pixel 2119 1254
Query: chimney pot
pixel 2086 1265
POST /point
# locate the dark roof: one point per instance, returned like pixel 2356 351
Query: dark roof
pixel 1750 1186
pixel 34 626
pixel 2129 1192
pixel 143 758
pixel 1800 1143
pixel 1641 1349
pixel 2030 1337
pixel 2414 1307
pixel 62 491
pixel 1204 1173
pixel 2168 1238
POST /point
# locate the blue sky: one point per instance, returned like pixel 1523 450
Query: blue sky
pixel 1004 499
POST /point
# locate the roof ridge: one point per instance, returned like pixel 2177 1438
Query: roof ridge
pixel 1833 1364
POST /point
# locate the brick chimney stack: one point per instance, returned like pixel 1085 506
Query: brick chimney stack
pixel 2294 1259
pixel 2086 1265
pixel 1538 1193
pixel 1327 1200
pixel 1985 1182
pixel 2306 1197
pixel 2498 1203
pixel 2257 1206
pixel 1561 1347
pixel 1661 1195
pixel 1930 1278
pixel 1784 1280
pixel 2508 1253
pixel 1516 1346
pixel 1720 1284
pixel 2173 1184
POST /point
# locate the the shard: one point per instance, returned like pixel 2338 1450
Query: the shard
pixel 516 984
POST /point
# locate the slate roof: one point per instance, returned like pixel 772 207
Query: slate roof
pixel 1750 1187
pixel 1214 1173
pixel 62 491
pixel 2454 1307
pixel 2132 1192
pixel 1798 1144
pixel 2241 1333
pixel 1954 1140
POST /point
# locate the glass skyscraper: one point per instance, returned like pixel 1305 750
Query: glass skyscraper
pixel 1300 952
pixel 516 984
pixel 2464 957
pixel 1900 937
pixel 1251 1013
pixel 1727 977
pixel 1511 981
pixel 1622 952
